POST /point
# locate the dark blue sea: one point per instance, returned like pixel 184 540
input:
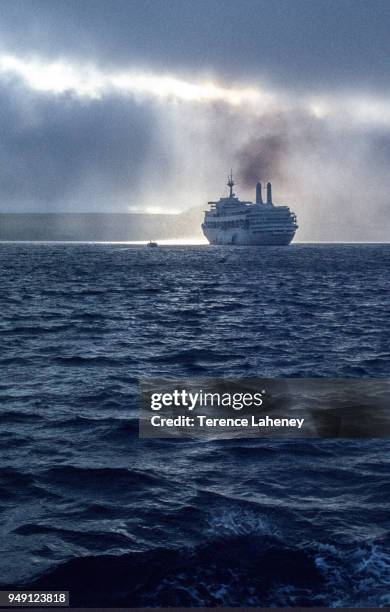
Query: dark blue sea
pixel 87 506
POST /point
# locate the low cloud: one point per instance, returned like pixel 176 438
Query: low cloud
pixel 327 158
pixel 57 153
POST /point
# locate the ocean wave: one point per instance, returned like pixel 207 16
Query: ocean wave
pixel 123 521
pixel 244 570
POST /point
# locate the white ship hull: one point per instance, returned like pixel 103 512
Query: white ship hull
pixel 248 238
pixel 234 222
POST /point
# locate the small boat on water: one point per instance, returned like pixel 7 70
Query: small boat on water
pixel 151 244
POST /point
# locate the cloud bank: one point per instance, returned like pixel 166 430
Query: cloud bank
pixel 94 121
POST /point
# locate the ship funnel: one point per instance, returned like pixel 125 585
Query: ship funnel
pixel 269 193
pixel 259 197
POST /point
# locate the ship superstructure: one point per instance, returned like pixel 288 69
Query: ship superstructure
pixel 232 221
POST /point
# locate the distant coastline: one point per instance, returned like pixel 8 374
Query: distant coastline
pixel 142 227
pixel 97 227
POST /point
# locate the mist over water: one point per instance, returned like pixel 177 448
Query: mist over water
pixel 124 150
pixel 97 120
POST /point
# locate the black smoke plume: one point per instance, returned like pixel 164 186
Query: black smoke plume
pixel 262 157
pixel 276 138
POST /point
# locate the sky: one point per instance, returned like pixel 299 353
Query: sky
pixel 145 105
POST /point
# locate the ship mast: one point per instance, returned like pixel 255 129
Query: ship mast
pixel 230 184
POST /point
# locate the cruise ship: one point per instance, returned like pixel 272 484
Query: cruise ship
pixel 232 221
